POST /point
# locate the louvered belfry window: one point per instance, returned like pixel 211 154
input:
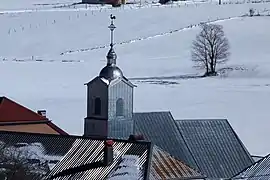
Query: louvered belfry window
pixel 120 107
pixel 97 106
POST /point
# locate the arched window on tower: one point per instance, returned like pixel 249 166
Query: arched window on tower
pixel 97 106
pixel 120 107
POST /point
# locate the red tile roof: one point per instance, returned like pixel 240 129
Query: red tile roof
pixel 12 112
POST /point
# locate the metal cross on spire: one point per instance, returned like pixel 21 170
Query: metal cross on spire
pixel 112 27
pixel 111 56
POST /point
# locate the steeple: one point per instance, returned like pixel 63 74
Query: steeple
pixel 111 56
pixel 109 99
pixel 111 71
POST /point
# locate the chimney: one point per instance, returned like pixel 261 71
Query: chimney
pixel 137 137
pixel 42 112
pixel 108 152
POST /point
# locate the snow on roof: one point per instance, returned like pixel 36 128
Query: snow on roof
pixel 106 81
pixel 33 151
pixel 127 169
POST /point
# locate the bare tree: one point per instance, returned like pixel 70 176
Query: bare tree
pixel 17 163
pixel 211 47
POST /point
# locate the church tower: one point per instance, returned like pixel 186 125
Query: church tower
pixel 109 100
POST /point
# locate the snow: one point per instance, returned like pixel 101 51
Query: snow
pixel 127 169
pixel 48 54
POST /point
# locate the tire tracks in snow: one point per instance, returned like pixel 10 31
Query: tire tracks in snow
pixel 151 36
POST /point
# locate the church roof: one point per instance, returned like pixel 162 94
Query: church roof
pixel 161 129
pixel 209 146
pixel 216 148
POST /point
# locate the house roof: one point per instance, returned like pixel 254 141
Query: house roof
pixel 161 129
pixel 164 166
pixel 13 113
pixel 259 170
pixel 80 155
pixel 215 146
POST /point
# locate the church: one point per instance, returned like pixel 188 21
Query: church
pixel 210 146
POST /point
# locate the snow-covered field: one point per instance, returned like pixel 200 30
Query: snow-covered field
pixel 47 56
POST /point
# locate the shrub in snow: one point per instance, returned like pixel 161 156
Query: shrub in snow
pixel 251 12
pixel 23 161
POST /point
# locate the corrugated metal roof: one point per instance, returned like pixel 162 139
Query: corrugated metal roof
pixel 259 171
pixel 85 152
pixel 81 156
pixel 164 166
pixel 161 129
pixel 216 148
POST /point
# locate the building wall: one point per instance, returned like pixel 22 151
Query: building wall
pixel 124 91
pixel 97 89
pixel 30 128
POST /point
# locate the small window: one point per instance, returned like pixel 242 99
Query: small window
pixel 120 107
pixel 97 106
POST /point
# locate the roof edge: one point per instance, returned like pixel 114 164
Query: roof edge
pixel 74 136
pixel 241 143
pixel 23 122
pixel 145 112
pixel 257 162
pixel 56 128
pixel 210 119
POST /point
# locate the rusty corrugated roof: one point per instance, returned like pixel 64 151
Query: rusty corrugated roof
pixel 165 166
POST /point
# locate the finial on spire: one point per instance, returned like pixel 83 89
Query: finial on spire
pixel 111 56
pixel 112 27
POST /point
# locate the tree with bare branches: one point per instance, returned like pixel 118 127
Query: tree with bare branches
pixel 211 47
pixel 17 163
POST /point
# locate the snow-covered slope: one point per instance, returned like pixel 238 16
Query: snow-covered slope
pixel 47 56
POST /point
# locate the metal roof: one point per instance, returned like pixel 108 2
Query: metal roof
pixel 160 128
pixel 79 156
pixel 164 166
pixel 258 171
pixel 216 148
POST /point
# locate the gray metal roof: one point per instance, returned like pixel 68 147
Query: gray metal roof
pixel 165 167
pixel 258 171
pixel 216 148
pixel 76 157
pixel 161 129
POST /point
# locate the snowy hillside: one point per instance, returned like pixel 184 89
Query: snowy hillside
pixel 47 56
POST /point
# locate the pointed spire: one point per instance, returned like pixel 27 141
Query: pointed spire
pixel 111 56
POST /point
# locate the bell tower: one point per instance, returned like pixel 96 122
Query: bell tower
pixel 109 99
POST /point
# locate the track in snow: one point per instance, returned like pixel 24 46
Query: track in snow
pixel 149 37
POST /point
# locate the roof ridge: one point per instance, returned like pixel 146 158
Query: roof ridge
pixel 72 136
pixel 144 112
